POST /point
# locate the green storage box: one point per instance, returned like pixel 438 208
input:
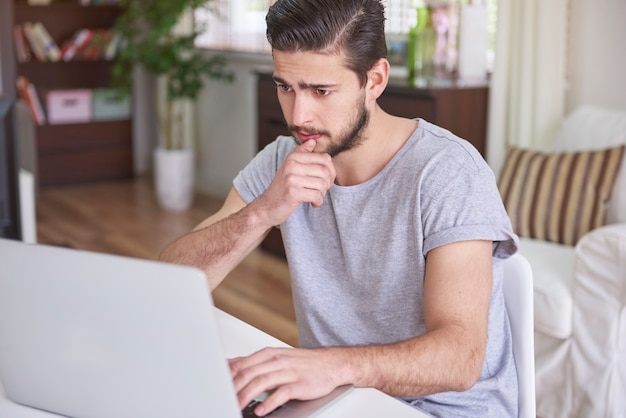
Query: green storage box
pixel 108 105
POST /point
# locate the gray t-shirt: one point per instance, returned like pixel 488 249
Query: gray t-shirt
pixel 357 262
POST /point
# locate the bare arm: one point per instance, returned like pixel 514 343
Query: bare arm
pixel 224 239
pixel 449 356
pixel 221 241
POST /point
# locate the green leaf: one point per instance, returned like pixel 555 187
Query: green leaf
pixel 146 26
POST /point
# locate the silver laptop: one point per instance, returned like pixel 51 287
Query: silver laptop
pixel 84 334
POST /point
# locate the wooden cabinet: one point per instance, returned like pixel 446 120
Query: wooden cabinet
pixel 462 110
pixel 75 152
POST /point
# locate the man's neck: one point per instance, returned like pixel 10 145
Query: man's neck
pixel 384 137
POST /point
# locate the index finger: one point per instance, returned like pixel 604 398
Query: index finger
pixel 306 146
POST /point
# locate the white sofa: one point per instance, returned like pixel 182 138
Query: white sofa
pixel 580 293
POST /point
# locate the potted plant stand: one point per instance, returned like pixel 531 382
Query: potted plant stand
pixel 159 35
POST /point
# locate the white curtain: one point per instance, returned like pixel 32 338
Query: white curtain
pixel 527 92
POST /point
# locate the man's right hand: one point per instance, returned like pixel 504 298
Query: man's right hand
pixel 304 177
pixel 222 240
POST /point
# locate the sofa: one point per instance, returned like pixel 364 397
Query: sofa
pixel 568 205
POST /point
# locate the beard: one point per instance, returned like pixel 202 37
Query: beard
pixel 350 137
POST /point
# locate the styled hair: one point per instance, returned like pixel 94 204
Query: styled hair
pixel 354 28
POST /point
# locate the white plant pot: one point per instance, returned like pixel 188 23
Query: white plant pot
pixel 174 178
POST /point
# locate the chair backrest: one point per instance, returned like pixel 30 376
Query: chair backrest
pixel 518 297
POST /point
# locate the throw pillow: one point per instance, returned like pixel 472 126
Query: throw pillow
pixel 558 197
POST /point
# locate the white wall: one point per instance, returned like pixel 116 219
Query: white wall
pixel 227 125
pixel 596 70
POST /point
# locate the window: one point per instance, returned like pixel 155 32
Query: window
pixel 234 25
pixel 240 24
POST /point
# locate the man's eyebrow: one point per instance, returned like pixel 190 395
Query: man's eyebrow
pixel 278 80
pixel 305 86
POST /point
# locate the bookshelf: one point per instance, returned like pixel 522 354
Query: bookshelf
pixel 75 152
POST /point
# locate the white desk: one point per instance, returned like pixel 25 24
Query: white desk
pixel 241 339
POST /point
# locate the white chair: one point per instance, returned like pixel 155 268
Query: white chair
pixel 579 290
pixel 518 298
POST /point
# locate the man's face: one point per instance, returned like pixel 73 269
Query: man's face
pixel 322 100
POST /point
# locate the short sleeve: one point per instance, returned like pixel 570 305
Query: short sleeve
pixel 255 178
pixel 463 203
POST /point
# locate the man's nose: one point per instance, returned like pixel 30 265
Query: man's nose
pixel 301 113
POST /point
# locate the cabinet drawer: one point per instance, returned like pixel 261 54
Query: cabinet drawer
pixel 84 166
pixel 82 136
pixel 82 152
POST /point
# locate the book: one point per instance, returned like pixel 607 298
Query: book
pixel 91 44
pixel 28 93
pixel 32 93
pixel 35 46
pixel 99 2
pixel 73 46
pixel 113 45
pixel 22 49
pixel 96 46
pixel 48 44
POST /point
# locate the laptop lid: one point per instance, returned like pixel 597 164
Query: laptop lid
pixel 93 335
pixel 85 334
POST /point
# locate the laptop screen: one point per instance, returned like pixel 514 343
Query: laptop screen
pixel 88 334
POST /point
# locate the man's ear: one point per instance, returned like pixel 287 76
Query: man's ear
pixel 377 78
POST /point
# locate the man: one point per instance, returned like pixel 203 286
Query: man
pixel 393 229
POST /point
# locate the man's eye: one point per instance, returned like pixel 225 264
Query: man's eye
pixel 283 87
pixel 322 92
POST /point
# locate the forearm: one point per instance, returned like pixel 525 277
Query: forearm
pixel 219 247
pixel 446 359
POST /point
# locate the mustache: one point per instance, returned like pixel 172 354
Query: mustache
pixel 309 130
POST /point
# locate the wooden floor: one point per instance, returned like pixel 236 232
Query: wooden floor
pixel 123 218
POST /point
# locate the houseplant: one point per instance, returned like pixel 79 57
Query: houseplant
pixel 158 36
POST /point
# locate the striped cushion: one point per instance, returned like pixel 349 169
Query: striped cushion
pixel 558 197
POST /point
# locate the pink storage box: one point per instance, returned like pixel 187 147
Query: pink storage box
pixel 69 106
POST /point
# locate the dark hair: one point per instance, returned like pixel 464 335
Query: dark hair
pixel 355 28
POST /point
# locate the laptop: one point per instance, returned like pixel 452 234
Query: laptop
pixel 85 334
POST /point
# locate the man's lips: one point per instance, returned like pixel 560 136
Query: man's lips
pixel 307 137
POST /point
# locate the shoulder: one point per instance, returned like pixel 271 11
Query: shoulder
pixel 435 158
pixel 280 147
pixel 257 175
pixel 273 154
pixel 445 151
pixel 444 161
